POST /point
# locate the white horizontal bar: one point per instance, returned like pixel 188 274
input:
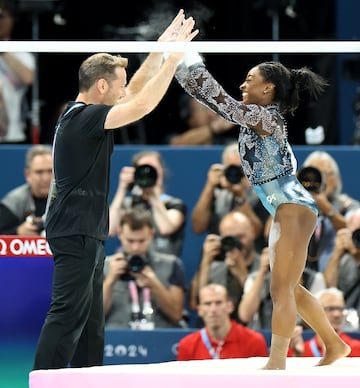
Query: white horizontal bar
pixel 329 47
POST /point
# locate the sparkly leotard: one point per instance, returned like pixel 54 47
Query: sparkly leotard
pixel 268 161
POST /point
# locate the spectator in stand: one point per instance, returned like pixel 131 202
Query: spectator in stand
pixel 227 258
pixel 148 192
pixel 332 203
pixel 332 299
pixel 221 337
pixel 255 308
pixel 159 274
pixel 222 194
pixel 343 268
pixel 203 126
pixel 333 206
pixel 22 209
pixel 17 72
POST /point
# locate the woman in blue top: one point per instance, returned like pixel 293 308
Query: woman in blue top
pixel 269 91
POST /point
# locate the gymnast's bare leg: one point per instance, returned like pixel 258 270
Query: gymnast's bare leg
pixel 313 314
pixel 290 234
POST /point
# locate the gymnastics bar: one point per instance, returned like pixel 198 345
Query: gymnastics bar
pixel 329 47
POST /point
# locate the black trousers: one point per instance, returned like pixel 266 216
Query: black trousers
pixel 73 331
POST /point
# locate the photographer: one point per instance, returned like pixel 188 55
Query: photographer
pixel 128 282
pixel 142 185
pixel 227 259
pixel 225 190
pixel 322 240
pixel 343 269
pixel 21 209
pixel 321 176
pixel 331 201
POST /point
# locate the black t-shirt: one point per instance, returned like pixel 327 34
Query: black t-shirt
pixel 82 152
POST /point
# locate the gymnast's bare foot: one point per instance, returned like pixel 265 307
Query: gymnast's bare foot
pixel 334 352
pixel 275 363
pixel 278 352
pixel 272 366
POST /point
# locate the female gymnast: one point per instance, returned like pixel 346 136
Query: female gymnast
pixel 269 92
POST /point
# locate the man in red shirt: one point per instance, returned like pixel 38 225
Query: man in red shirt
pixel 221 337
pixel 332 299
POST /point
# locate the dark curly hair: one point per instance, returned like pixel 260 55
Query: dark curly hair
pixel 290 82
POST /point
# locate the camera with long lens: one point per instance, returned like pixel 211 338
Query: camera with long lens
pixel 145 176
pixel 227 244
pixel 311 179
pixel 135 264
pixel 356 238
pixel 234 174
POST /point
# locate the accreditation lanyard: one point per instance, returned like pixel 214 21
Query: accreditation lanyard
pixel 134 295
pixel 215 354
pixel 314 348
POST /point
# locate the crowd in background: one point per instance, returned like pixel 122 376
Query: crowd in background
pixel 145 285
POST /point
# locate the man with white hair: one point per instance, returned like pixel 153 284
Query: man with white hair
pixel 334 205
pixel 332 300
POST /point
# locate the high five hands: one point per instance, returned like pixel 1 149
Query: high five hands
pixel 180 29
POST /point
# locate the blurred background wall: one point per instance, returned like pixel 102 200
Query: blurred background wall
pixel 338 110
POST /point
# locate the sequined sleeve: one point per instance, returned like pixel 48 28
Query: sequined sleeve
pixel 264 156
pixel 200 84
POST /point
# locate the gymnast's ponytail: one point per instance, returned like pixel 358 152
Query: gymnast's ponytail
pixel 289 83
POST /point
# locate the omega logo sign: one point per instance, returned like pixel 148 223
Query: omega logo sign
pixel 24 246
